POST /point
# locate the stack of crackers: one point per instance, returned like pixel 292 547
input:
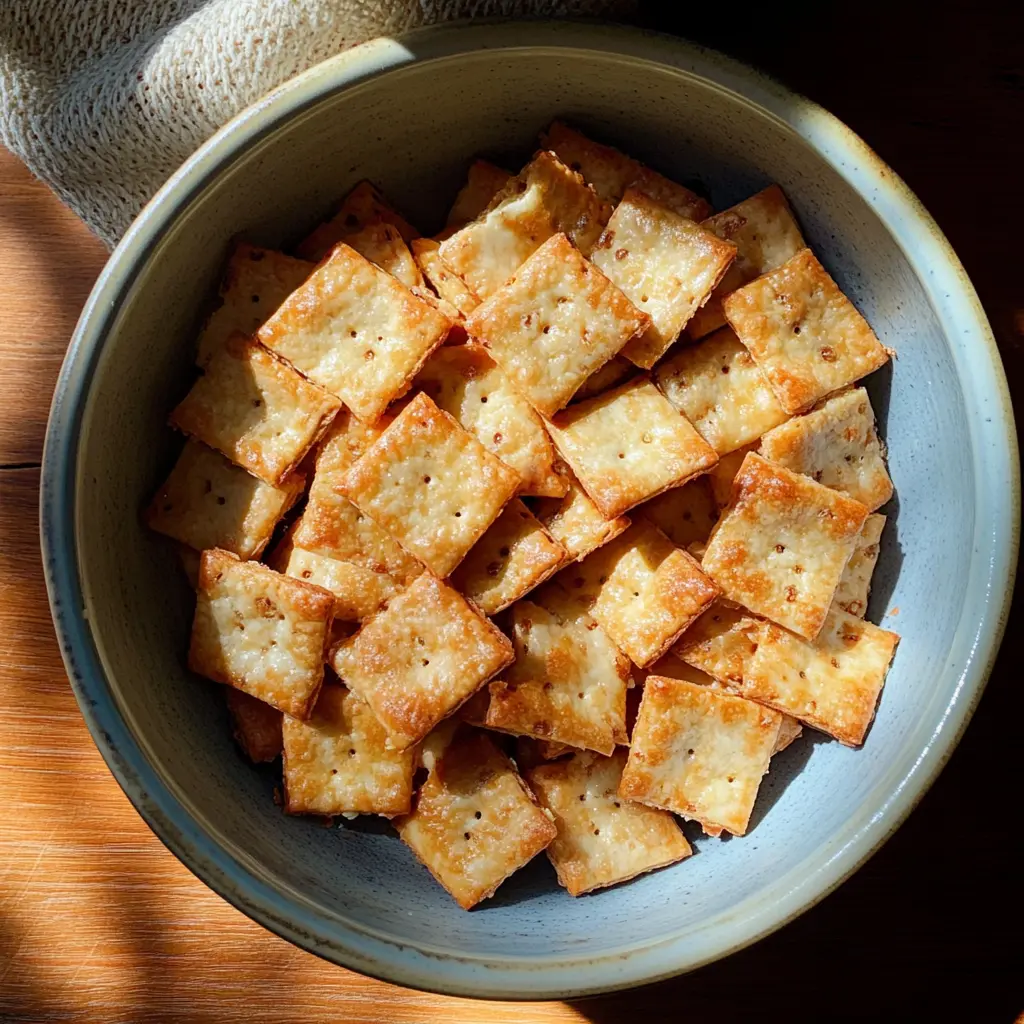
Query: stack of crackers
pixel 544 532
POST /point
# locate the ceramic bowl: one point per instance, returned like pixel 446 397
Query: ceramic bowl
pixel 409 114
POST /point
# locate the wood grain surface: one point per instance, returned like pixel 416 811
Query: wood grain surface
pixel 98 922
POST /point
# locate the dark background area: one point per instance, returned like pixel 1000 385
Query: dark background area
pixel 930 928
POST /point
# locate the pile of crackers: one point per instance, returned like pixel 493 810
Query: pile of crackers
pixel 570 512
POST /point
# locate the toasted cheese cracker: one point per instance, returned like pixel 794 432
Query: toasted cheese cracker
pixel 830 683
pixel 719 388
pixel 803 332
pixel 338 762
pixel 466 383
pixel 448 285
pixel 686 515
pixel 765 234
pixel 432 485
pixel 855 583
pixel 474 822
pixel 568 683
pixel 362 206
pixel 420 658
pixel 721 643
pixel 256 725
pixel 722 474
pixel 483 182
pixel 382 244
pixel 255 409
pixel 575 521
pixel 602 839
pixel 358 592
pixel 667 266
pixel 790 731
pixel 628 445
pixel 615 371
pixel 256 281
pixel 611 172
pixel 554 323
pixel 545 199
pixel 642 589
pixel 357 331
pixel 208 502
pixel 259 631
pixel 700 753
pixel 781 546
pixel 836 444
pixel 514 556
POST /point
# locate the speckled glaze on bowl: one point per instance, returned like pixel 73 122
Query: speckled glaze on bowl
pixel 409 114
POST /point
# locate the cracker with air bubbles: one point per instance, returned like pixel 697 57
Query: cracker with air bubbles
pixel 382 244
pixel 415 662
pixel 514 556
pixel 256 281
pixel 255 409
pixel 642 589
pixel 545 199
pixel 256 725
pixel 837 445
pixel 719 388
pixel 474 822
pixel 337 761
pixel 466 383
pixel 484 181
pixel 765 234
pixel 628 445
pixel 448 285
pixel 575 521
pixel 855 583
pixel 554 323
pixel 831 683
pixel 568 683
pixel 431 484
pixel 602 838
pixel 261 632
pixel 686 515
pixel 700 753
pixel 803 332
pixel 357 331
pixel 667 266
pixel 721 642
pixel 781 546
pixel 208 502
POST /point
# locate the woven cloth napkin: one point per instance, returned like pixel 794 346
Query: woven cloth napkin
pixel 104 99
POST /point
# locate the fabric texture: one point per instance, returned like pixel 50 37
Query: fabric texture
pixel 104 99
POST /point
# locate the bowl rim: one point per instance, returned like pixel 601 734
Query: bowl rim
pixel 993 439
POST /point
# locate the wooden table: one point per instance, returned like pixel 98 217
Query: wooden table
pixel 99 922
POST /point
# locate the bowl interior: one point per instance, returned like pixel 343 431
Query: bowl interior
pixel 413 131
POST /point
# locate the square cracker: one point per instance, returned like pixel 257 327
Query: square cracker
pixel 830 683
pixel 545 199
pixel 686 515
pixel 610 172
pixel 721 643
pixel 261 632
pixel 357 331
pixel 362 206
pixel 781 546
pixel 448 285
pixel 255 409
pixel 256 725
pixel 836 444
pixel 765 234
pixel 602 839
pixel 208 502
pixel 855 583
pixel 256 281
pixel 554 323
pixel 382 244
pixel 515 555
pixel 615 371
pixel 568 684
pixel 667 266
pixel 337 761
pixel 575 521
pixel 628 445
pixel 474 822
pixel 700 753
pixel 466 383
pixel 642 589
pixel 431 484
pixel 719 388
pixel 803 332
pixel 420 658
pixel 484 181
